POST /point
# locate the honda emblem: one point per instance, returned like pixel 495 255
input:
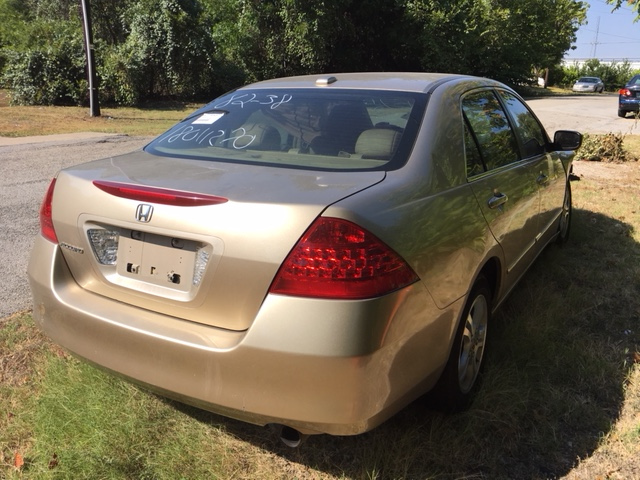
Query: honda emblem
pixel 144 212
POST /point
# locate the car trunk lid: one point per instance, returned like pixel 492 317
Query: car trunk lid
pixel 125 236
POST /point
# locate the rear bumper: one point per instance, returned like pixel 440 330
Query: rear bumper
pixel 317 366
pixel 629 104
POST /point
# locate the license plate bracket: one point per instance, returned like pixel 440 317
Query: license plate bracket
pixel 157 259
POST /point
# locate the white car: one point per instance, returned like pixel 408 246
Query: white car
pixel 589 84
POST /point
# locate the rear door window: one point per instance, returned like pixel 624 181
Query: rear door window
pixel 529 131
pixel 489 126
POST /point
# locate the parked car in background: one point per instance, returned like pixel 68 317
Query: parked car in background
pixel 629 97
pixel 311 253
pixel 588 84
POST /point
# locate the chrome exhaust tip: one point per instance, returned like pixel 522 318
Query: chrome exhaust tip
pixel 291 437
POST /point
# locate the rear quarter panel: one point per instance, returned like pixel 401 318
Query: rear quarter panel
pixel 426 211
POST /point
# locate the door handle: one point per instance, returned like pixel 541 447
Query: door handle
pixel 497 200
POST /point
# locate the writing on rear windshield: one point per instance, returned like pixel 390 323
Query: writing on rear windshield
pixel 274 101
pixel 207 136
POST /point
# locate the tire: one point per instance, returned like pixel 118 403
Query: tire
pixel 565 217
pixel 622 113
pixel 459 380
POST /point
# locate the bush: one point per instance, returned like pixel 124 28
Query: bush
pixel 604 148
pixel 52 74
pixel 168 52
pixel 119 78
pixel 614 75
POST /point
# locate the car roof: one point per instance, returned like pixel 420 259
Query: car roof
pixel 407 82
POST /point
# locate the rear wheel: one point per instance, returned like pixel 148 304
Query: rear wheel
pixel 622 113
pixel 459 379
pixel 565 217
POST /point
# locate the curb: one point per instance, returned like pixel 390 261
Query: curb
pixel 62 137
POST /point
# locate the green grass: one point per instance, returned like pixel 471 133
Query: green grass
pixel 93 423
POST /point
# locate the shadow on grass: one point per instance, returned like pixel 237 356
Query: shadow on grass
pixel 553 386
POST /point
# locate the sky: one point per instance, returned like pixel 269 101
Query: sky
pixel 607 36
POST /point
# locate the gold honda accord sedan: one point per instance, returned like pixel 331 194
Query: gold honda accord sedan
pixel 311 253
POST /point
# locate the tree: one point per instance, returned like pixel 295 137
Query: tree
pixel 634 4
pixel 51 70
pixel 274 37
pixel 531 35
pixel 286 37
pixel 502 39
pixel 169 48
pixel 451 36
pixel 144 49
pixel 200 48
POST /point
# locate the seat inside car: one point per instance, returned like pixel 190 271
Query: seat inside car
pixel 341 129
pixel 378 143
pixel 257 136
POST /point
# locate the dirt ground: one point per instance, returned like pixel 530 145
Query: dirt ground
pixel 621 174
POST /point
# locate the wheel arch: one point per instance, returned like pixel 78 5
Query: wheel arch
pixel 447 394
pixel 491 271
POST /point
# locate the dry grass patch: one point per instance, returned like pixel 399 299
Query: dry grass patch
pixel 22 350
pixel 618 456
pixel 21 121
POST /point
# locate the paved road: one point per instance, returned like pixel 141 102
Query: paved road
pixel 27 165
pixel 586 113
pixel 25 172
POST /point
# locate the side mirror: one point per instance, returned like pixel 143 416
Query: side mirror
pixel 567 140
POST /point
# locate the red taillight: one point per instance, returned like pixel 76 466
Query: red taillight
pixel 338 259
pixel 625 92
pixel 46 222
pixel 163 196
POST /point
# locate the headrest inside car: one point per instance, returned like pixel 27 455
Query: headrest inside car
pixel 379 143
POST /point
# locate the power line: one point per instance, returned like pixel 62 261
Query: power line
pixel 612 35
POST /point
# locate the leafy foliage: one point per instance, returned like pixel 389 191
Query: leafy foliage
pixel 197 48
pixel 614 75
pixel 604 148
pixel 634 4
pixel 51 73
pixel 167 48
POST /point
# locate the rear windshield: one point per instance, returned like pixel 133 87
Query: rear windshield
pixel 313 129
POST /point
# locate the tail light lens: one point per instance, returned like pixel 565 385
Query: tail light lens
pixel 338 259
pixel 46 222
pixel 625 92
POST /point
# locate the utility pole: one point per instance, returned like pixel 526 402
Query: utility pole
pixel 94 106
pixel 595 43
